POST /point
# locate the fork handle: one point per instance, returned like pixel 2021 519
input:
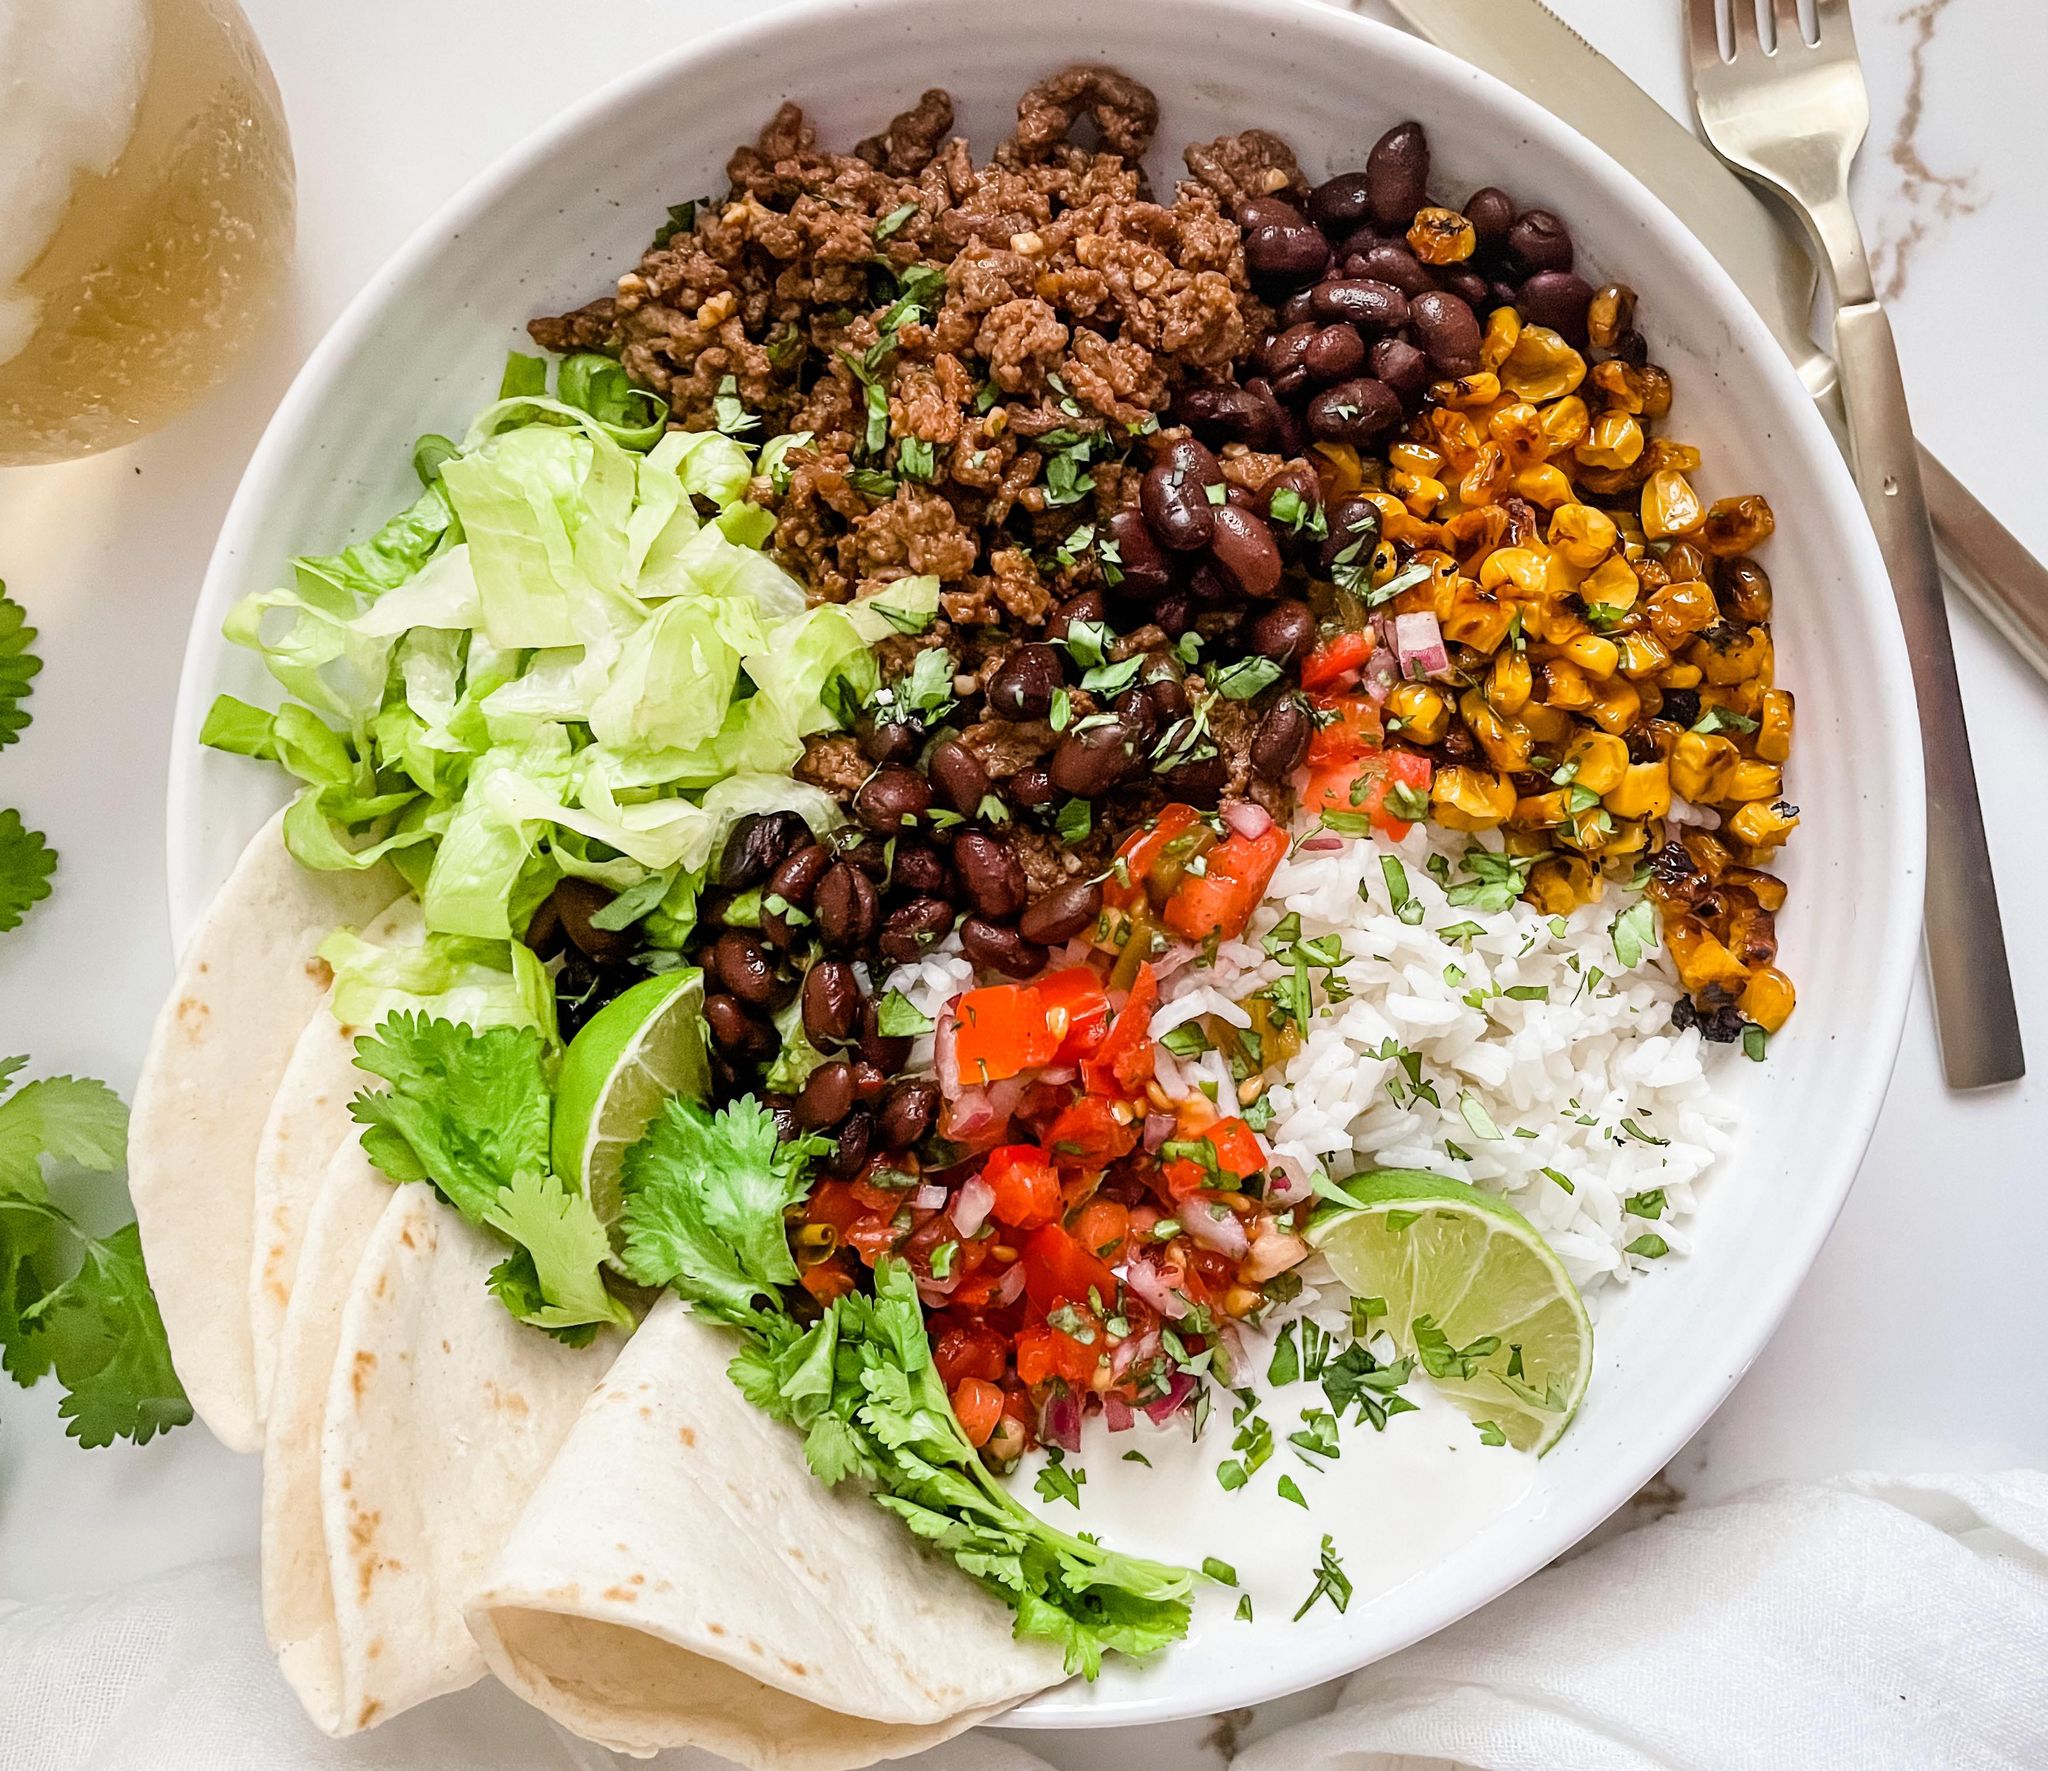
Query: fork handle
pixel 1975 1013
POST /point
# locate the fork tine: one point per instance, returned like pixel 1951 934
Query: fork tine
pixel 1746 38
pixel 1703 28
pixel 1785 14
pixel 1833 26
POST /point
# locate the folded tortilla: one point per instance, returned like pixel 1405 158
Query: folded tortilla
pixel 681 1578
pixel 307 1122
pixel 247 984
pixel 440 1413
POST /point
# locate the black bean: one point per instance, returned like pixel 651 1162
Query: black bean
pixel 1200 782
pixel 1500 294
pixel 870 1082
pixel 1284 357
pixel 1402 367
pixel 1089 762
pixel 1340 205
pixel 911 929
pixel 1449 331
pixel 1355 412
pixel 1167 694
pixel 1293 310
pixel 1389 263
pixel 891 1051
pixel 1283 632
pixel 1173 615
pixel 920 871
pixel 869 853
pixel 1491 211
pixel 958 775
pixel 1088 605
pixel 1334 352
pixel 756 845
pixel 1559 300
pixel 1243 546
pixel 1282 739
pixel 1226 414
pixel 1239 496
pixel 831 1001
pixel 1286 426
pixel 1062 913
pixel 793 884
pixel 993 947
pixel 1024 685
pixel 1353 526
pixel 782 1109
pixel 1141 559
pixel 1139 714
pixel 1286 252
pixel 576 901
pixel 544 929
pixel 895 741
pixel 846 908
pixel 1177 507
pixel 744 968
pixel 850 1146
pixel 1298 478
pixel 1397 174
pixel 827 1096
pixel 1540 242
pixel 1194 460
pixel 908 1114
pixel 736 1030
pixel 991 876
pixel 1032 787
pixel 892 800
pixel 1259 212
pixel 1209 590
pixel 1363 301
pixel 1467 285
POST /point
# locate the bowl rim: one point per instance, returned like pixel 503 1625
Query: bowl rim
pixel 1893 752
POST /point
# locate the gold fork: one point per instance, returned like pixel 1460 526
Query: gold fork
pixel 1791 113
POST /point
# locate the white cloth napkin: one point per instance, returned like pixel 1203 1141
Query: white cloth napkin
pixel 1873 1624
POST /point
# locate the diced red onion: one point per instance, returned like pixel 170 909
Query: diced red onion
pixel 943 1059
pixel 972 1204
pixel 1059 1075
pixel 1231 1344
pixel 939 1292
pixel 1246 818
pixel 1212 1229
pixel 1419 645
pixel 1158 1128
pixel 1059 1420
pixel 1011 1286
pixel 1179 1388
pixel 1684 812
pixel 1328 844
pixel 928 1198
pixel 1288 1182
pixel 967 1113
pixel 1116 1413
pixel 1152 1284
pixel 1134 1351
pixel 1076 951
pixel 1005 1095
pixel 1382 672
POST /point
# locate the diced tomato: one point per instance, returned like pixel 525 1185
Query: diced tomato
pixel 1087 1134
pixel 1220 899
pixel 1353 730
pixel 977 1406
pixel 873 1236
pixel 832 1202
pixel 1238 1157
pixel 1361 785
pixel 826 1281
pixel 1076 1009
pixel 871 1197
pixel 968 1349
pixel 1122 1063
pixel 1155 855
pixel 1100 1227
pixel 1027 1186
pixel 1058 1270
pixel 1334 659
pixel 1000 1032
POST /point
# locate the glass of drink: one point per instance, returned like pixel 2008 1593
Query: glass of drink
pixel 145 214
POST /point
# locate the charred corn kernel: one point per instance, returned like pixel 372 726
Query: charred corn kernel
pixel 1598 760
pixel 1628 837
pixel 1736 525
pixel 1593 653
pixel 1421 493
pixel 1615 441
pixel 1682 560
pixel 1742 658
pixel 1664 454
pixel 1774 726
pixel 1442 236
pixel 1542 366
pixel 1519 568
pixel 1708 852
pixel 1478 619
pixel 1702 961
pixel 1612 583
pixel 1481 388
pixel 1617 706
pixel 1656 385
pixel 1389 507
pixel 1751 779
pixel 1548 726
pixel 1678 611
pixel 1560 885
pixel 1455 433
pixel 1670 505
pixel 1700 762
pixel 1613 312
pixel 1766 888
pixel 1642 654
pixel 1644 791
pixel 1463 798
pixel 1565 423
pixel 1679 676
pixel 1767 999
pixel 1343 465
pixel 1416 458
pixel 1746 587
pixel 1541 811
pixel 1565 685
pixel 1543 486
pixel 1422 709
pixel 1518 428
pixel 1503 328
pixel 1506 741
pixel 1385 561
pixel 1620 387
pixel 1582 535
pixel 1510 682
pixel 1745 698
pixel 1487 478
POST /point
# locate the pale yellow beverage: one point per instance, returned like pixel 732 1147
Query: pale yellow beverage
pixel 145 214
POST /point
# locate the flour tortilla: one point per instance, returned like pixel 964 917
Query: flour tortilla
pixel 308 1121
pixel 441 1412
pixel 247 984
pixel 681 1578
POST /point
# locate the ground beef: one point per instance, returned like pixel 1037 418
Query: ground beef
pixel 913 138
pixel 1252 163
pixel 1005 746
pixel 834 762
pixel 1049 860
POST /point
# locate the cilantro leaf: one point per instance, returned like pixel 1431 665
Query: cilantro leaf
pixel 1634 933
pixel 18 666
pixel 106 1342
pixel 69 1118
pixel 568 1247
pixel 26 863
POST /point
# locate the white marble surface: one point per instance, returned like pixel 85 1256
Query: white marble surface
pixel 1914 1345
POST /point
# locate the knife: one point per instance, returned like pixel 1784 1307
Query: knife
pixel 1533 50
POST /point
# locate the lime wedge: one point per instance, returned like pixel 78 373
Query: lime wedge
pixel 632 1055
pixel 1472 1291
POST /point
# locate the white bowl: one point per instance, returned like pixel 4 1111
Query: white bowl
pixel 552 224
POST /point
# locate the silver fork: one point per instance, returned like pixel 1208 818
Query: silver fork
pixel 1791 116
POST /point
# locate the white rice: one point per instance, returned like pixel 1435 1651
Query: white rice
pixel 1590 1084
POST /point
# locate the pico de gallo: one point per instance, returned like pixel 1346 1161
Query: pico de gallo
pixel 1083 1241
